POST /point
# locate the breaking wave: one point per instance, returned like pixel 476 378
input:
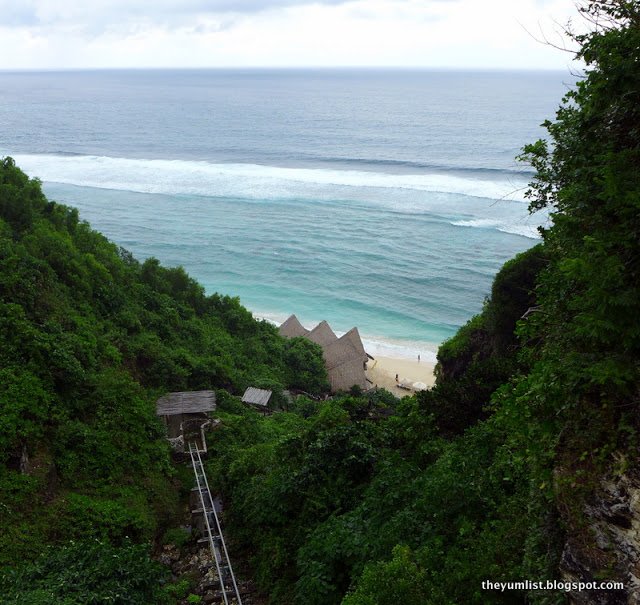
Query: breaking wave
pixel 254 181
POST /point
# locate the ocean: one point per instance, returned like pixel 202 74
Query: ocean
pixel 382 199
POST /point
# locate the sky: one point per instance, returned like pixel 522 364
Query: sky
pixel 70 34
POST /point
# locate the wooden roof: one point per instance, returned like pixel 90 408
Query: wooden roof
pixel 322 334
pixel 292 327
pixel 255 396
pixel 186 402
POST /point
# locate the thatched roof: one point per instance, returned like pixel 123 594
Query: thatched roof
pixel 348 346
pixel 338 352
pixel 322 334
pixel 353 336
pixel 349 373
pixel 344 357
pixel 344 360
pixel 292 328
pixel 187 402
pixel 255 396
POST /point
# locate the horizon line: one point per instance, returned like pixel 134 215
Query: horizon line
pixel 288 68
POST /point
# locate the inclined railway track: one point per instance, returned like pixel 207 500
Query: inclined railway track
pixel 228 585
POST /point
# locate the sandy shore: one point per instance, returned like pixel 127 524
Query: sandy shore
pixel 382 372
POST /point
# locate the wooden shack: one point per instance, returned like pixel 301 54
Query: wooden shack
pixel 184 414
pixel 257 398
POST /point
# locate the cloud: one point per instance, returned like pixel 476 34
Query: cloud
pixel 51 19
pixel 278 33
pixel 83 13
pixel 17 14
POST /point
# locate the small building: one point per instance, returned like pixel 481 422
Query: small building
pixel 257 398
pixel 346 362
pixel 292 328
pixel 184 414
pixel 345 358
pixel 322 334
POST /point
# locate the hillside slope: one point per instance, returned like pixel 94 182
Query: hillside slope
pixel 523 462
pixel 89 338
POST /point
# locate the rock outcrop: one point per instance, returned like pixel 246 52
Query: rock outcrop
pixel 608 548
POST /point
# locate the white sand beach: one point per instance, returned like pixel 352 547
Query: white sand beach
pixel 382 372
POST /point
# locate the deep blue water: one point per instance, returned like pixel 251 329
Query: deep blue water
pixel 377 198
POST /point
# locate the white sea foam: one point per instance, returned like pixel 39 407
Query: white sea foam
pixel 528 229
pixel 399 349
pixel 245 180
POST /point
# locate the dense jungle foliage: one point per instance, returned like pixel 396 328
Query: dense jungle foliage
pixel 488 474
pixel 361 499
pixel 89 338
pixel 414 507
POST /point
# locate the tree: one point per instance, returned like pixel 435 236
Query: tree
pixel 590 178
pixel 305 366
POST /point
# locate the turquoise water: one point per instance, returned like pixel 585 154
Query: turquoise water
pixel 386 200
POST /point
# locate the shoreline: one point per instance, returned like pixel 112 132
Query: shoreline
pixel 393 363
pixel 377 346
pixel 383 369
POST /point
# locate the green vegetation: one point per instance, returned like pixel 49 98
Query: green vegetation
pixel 336 496
pixel 86 573
pixel 361 499
pixel 487 475
pixel 89 338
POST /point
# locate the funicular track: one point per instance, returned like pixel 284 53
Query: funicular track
pixel 228 585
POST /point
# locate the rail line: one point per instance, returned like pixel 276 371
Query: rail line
pixel 228 584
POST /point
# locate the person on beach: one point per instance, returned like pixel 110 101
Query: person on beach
pixel 396 378
pixel 418 357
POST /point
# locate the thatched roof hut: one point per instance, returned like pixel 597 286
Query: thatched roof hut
pixel 344 357
pixel 348 374
pixel 322 334
pixel 292 328
pixel 346 362
pixel 353 336
pixel 339 352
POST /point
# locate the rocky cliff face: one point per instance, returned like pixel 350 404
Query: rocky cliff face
pixel 609 546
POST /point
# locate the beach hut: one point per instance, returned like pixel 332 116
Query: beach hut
pixel 348 374
pixel 292 328
pixel 353 336
pixel 345 358
pixel 184 413
pixel 345 361
pixel 322 334
pixel 257 398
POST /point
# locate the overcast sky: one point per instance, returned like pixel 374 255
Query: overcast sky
pixel 45 34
